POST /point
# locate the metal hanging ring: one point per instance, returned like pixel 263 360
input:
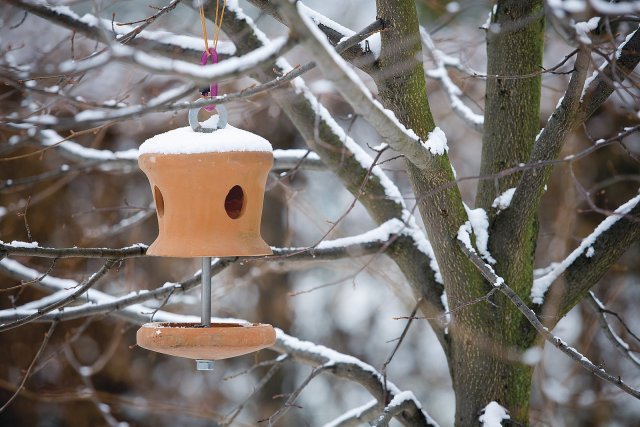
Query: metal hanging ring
pixel 197 127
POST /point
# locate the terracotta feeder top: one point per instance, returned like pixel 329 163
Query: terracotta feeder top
pixel 186 141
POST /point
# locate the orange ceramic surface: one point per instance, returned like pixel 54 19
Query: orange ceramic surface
pixel 219 341
pixel 208 204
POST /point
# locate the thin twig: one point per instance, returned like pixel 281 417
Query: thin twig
pixel 45 341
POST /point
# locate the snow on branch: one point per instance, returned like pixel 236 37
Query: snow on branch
pixel 602 7
pixel 372 242
pixel 335 32
pixel 339 364
pixel 80 289
pixel 356 416
pixel 542 284
pixel 127 160
pixel 528 194
pixel 401 402
pixel 499 284
pixel 453 92
pixel 353 89
pixel 493 414
pixel 601 84
pixel 163 42
pixel 354 369
pixel 617 341
pixel 164 102
pixel 229 67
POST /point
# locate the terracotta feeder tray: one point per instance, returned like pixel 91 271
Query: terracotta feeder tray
pixel 193 341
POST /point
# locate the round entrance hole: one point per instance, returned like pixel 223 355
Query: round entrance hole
pixel 234 202
pixel 157 195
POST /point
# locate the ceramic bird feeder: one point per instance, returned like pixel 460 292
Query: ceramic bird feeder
pixel 208 188
pixel 208 185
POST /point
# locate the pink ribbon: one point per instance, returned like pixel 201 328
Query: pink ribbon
pixel 213 88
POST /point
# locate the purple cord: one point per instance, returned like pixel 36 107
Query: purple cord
pixel 213 88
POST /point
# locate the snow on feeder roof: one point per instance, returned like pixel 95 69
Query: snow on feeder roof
pixel 185 140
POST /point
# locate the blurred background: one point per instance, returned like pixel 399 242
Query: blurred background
pixel 347 305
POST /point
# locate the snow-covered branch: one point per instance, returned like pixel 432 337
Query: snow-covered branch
pixel 362 54
pixel 339 364
pixel 515 222
pixel 353 369
pixel 613 337
pixel 452 91
pixel 602 7
pixel 127 160
pixel 357 416
pixel 165 102
pixel 230 67
pixel 385 122
pixel 342 155
pixel 160 42
pixel 601 84
pixel 586 249
pixel 498 283
pixel 400 403
pixel 370 243
pixel 60 303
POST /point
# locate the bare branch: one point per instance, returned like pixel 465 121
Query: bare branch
pixel 28 249
pixel 27 374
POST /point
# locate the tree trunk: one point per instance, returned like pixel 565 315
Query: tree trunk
pixel 480 333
